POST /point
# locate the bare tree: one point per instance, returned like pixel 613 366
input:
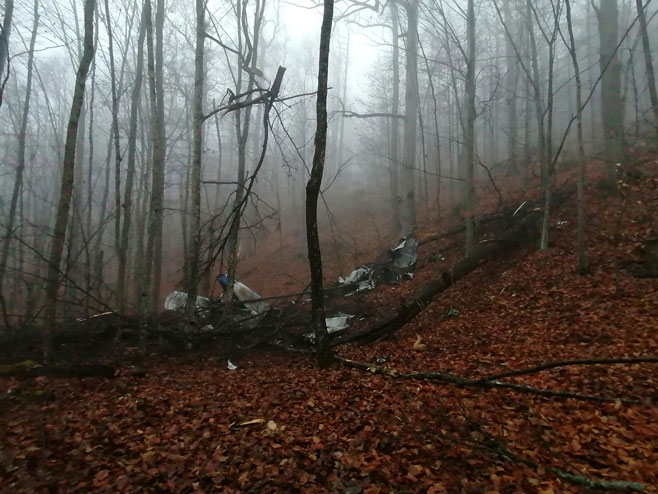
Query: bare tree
pixel 20 166
pixel 470 130
pixel 407 173
pixel 322 342
pixel 247 61
pixel 611 101
pixel 66 186
pixel 197 150
pixel 4 43
pixel 581 234
pixel 648 60
pixel 394 165
pixel 153 275
pixel 512 77
pixel 132 151
pixel 121 254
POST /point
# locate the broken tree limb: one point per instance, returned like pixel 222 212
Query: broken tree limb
pixel 464 382
pixel 351 114
pixel 566 363
pixel 606 485
pixel 507 213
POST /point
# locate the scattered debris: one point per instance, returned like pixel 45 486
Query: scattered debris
pixel 418 344
pixel 403 261
pixel 338 322
pixel 519 208
pixel 436 257
pixel 246 295
pixel 176 301
pixel 362 277
pixel 405 254
pixel 102 314
pixel 334 324
pixel 238 425
pixel 453 312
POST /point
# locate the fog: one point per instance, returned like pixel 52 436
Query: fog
pixel 524 123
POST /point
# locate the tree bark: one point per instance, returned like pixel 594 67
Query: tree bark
pixel 469 200
pixel 581 234
pixel 66 186
pixel 4 43
pixel 250 60
pixel 117 153
pixel 135 102
pixel 648 61
pixel 611 101
pixel 407 174
pixel 22 135
pixel 511 79
pixel 322 343
pixel 194 267
pixel 153 274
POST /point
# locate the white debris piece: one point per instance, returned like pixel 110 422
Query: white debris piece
pixel 334 324
pixel 361 277
pixel 177 300
pixel 337 322
pixel 243 292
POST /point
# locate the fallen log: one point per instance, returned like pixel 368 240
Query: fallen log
pixel 524 229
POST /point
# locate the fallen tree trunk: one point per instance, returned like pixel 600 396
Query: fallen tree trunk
pixel 524 229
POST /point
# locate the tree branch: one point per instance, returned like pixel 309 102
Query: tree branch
pixel 565 363
pixel 466 382
pixel 351 114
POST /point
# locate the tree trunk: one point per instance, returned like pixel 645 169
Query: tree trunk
pixel 470 131
pixel 132 150
pixel 66 186
pixel 322 342
pixel 581 234
pixel 511 79
pixel 117 152
pixel 611 101
pixel 153 274
pixel 407 175
pixel 548 155
pixel 242 136
pixel 394 164
pixel 4 43
pixel 648 61
pixel 22 135
pixel 194 267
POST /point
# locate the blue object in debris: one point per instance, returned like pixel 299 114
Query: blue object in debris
pixel 223 280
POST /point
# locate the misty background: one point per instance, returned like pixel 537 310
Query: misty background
pixel 515 81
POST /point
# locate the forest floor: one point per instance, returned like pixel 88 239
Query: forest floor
pixel 280 424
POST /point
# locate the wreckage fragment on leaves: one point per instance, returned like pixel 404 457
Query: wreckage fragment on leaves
pixel 401 265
